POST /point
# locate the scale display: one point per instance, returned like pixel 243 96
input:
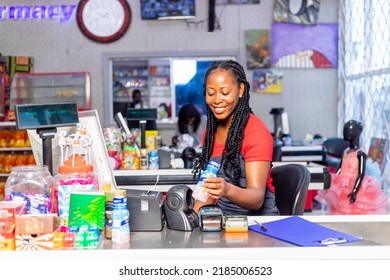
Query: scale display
pixel 34 116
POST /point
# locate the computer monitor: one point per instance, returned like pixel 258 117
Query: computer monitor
pixel 148 114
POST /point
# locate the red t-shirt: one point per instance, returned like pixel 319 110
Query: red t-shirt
pixel 256 146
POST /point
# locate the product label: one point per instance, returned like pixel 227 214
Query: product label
pixel 64 198
pixel 108 219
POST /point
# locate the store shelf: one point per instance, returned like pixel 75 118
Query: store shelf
pixel 153 78
pixel 14 152
pixel 7 124
pixel 12 149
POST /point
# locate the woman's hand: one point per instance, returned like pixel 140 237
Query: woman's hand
pixel 216 187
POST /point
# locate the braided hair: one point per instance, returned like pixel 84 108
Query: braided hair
pixel 232 150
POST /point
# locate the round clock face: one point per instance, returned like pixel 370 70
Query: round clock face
pixel 103 21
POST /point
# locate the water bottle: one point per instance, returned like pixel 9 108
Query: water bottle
pixel 211 171
pixel 120 221
pixel 153 160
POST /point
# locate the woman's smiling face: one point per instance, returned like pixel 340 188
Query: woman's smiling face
pixel 223 94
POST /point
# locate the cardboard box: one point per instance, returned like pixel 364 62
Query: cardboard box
pixel 19 64
pixel 36 224
pixel 9 210
pixel 35 232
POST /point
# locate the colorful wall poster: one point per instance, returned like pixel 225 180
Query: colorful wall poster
pixel 267 81
pixel 297 11
pixel 257 47
pixel 304 46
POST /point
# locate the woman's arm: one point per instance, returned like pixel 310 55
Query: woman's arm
pixel 251 197
pixel 199 204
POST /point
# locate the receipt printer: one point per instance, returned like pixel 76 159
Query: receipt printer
pixel 145 210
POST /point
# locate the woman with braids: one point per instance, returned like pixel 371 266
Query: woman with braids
pixel 239 141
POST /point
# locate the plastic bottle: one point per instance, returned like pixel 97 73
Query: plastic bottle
pixel 153 160
pixel 110 194
pixel 120 221
pixel 144 159
pixel 211 171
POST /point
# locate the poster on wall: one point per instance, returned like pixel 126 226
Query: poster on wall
pixel 297 11
pixel 257 48
pixel 303 46
pixel 267 81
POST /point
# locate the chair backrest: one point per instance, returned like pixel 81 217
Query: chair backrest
pixel 291 182
pixel 335 146
pixel 277 150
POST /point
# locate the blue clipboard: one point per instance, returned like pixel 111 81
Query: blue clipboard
pixel 301 232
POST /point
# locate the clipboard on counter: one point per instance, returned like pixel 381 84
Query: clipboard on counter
pixel 301 232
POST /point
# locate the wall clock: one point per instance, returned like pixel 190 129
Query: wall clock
pixel 103 21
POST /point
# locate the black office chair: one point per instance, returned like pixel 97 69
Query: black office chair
pixel 291 182
pixel 334 148
pixel 277 150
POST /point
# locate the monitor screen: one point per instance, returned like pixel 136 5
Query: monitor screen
pixel 136 115
pixel 38 116
pixel 167 9
pixel 141 114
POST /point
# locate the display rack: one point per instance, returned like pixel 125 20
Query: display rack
pixel 151 77
pixel 49 88
pixel 11 150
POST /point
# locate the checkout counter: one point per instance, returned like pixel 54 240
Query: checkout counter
pixel 373 229
pixel 163 179
pixel 170 247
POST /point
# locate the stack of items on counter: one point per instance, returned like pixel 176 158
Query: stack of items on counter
pixel 71 210
pixel 125 152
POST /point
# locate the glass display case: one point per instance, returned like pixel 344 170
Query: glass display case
pixel 41 88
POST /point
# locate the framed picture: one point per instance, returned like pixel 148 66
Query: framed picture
pixel 304 46
pixel 267 81
pixel 299 12
pixel 257 48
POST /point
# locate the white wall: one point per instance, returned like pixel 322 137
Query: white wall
pixel 309 96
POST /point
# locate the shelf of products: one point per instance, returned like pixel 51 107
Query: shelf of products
pixel 15 149
pixel 151 77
